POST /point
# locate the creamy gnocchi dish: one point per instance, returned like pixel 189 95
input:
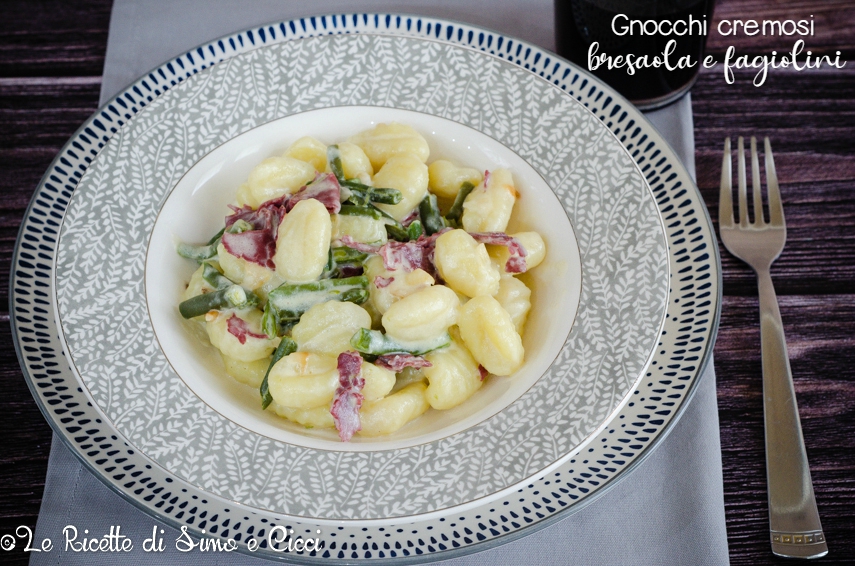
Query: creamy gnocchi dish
pixel 356 286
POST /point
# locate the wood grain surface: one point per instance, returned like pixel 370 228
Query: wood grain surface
pixel 51 56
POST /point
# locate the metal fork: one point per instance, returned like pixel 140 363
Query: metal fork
pixel 793 518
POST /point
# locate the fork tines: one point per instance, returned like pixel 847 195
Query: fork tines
pixel 776 210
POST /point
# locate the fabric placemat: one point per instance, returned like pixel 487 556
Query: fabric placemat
pixel 669 510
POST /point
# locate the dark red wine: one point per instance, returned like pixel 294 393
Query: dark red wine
pixel 579 23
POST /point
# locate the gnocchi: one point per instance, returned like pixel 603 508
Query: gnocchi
pixel 378 381
pixel 354 163
pixel 489 333
pixel 309 150
pixel 534 247
pixel 385 141
pixel 318 417
pixel 245 273
pixel 326 328
pixel 363 229
pixel 445 178
pixel 465 264
pixel 489 206
pixel 396 284
pixel 272 178
pixel 515 298
pixel 197 285
pixel 303 380
pixel 391 413
pixel 453 376
pixel 251 348
pixel 249 373
pixel 363 278
pixel 407 174
pixel 303 242
pixel 422 316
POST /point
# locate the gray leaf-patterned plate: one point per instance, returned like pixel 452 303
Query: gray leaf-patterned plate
pixel 604 401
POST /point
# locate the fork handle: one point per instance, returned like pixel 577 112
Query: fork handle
pixel 796 531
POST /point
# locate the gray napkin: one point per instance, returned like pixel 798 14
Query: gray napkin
pixel 669 510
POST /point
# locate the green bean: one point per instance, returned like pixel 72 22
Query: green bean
pixel 344 254
pixel 238 227
pixel 355 184
pixel 394 229
pixel 375 343
pixel 397 233
pixel 330 267
pixel 200 253
pixel 386 196
pixel 343 260
pixel 209 250
pixel 269 322
pixel 218 236
pixel 456 210
pixel 414 230
pixel 214 278
pixel 229 297
pixel 289 302
pixel 369 211
pixel 290 289
pixel 430 215
pixel 272 325
pixel 286 348
pixel 334 159
pixel 357 296
pixel 373 194
pixel 357 198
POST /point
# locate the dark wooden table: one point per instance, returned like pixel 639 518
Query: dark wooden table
pixel 51 57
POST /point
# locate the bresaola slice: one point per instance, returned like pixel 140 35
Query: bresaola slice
pixel 416 254
pixel 482 371
pixel 516 263
pixel 397 362
pixel 412 255
pixel 268 214
pixel 259 244
pixel 348 396
pixel 240 329
pixel 409 256
pixel 359 246
pixel 324 188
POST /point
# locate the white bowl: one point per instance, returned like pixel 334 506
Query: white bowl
pixel 195 210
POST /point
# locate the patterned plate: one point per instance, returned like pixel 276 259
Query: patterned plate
pixel 135 437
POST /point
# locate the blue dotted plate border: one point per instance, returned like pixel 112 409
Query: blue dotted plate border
pixel 683 349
